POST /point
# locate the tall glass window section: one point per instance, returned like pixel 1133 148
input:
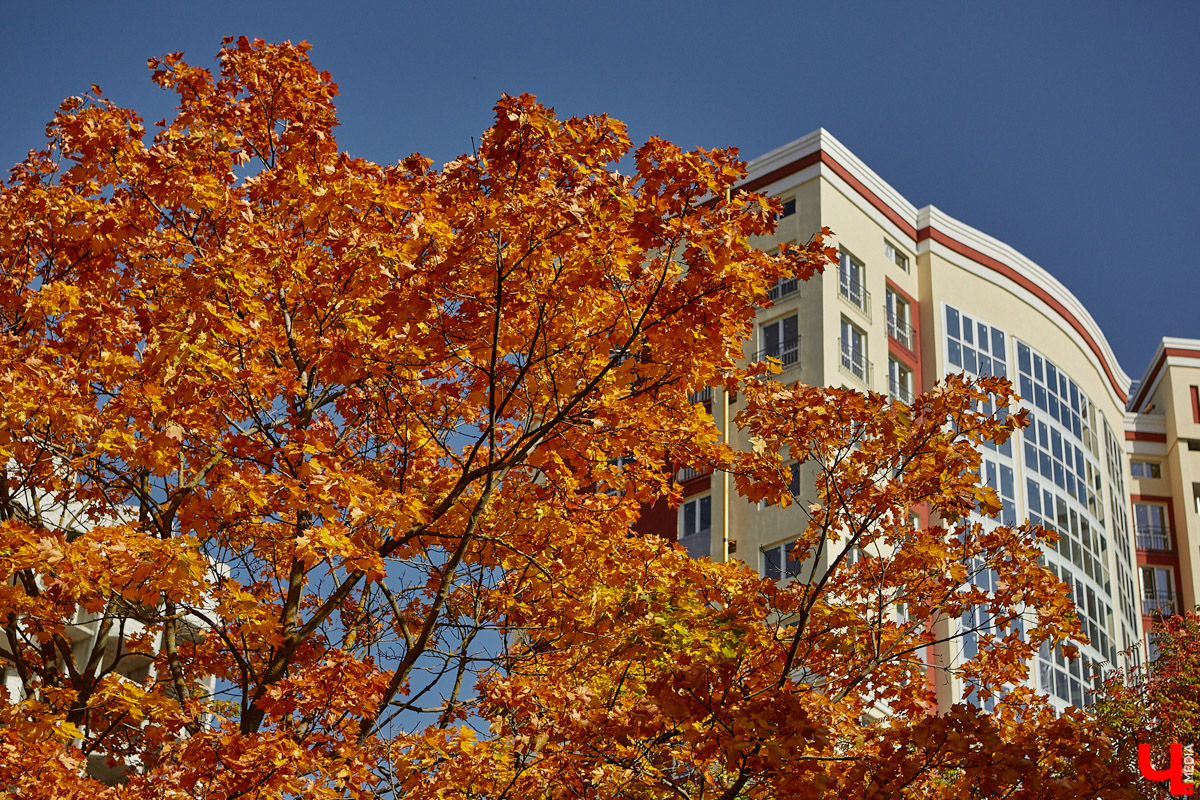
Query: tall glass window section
pixel 1064 493
pixel 1118 524
pixel 979 349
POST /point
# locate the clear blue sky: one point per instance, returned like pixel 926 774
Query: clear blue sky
pixel 1068 130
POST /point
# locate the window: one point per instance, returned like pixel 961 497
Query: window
pixel 853 346
pixel 781 340
pixel 894 255
pixel 789 207
pixel 695 525
pixel 777 562
pixel 614 486
pixel 974 346
pixel 1158 591
pixel 793 483
pixel 1152 651
pixel 900 381
pixel 784 286
pixel 1145 469
pixel 850 282
pixel 1150 525
pixel 1000 478
pixel 899 320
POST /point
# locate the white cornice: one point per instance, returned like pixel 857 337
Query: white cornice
pixel 823 140
pixel 931 217
pixel 1160 361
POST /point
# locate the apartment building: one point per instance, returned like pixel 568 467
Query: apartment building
pixel 917 295
pixel 1162 440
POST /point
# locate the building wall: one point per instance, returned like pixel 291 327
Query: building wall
pixel 1162 434
pixel 949 266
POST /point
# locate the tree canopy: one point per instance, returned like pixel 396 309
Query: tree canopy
pixel 1157 704
pixel 321 477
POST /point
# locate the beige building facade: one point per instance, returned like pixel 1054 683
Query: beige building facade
pixel 917 295
pixel 1162 439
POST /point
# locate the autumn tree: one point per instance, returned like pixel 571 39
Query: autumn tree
pixel 320 479
pixel 1156 704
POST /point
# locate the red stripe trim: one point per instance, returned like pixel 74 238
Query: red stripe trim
pixel 782 172
pixel 1182 352
pixel 1139 436
pixel 1146 384
pixel 930 233
pixel 869 196
pixel 1033 288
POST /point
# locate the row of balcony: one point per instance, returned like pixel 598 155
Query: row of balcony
pixel 1158 603
pixel 1153 537
pixel 787 353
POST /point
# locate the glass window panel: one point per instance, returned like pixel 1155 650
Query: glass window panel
pixel 771 563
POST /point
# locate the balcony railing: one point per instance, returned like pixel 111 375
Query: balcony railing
pixel 1153 537
pixel 1158 603
pixel 900 333
pixel 691 473
pixel 783 287
pixel 900 391
pixel 787 353
pixel 854 294
pixel 855 364
pixel 701 395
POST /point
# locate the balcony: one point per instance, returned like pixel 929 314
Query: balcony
pixel 691 473
pixel 784 287
pixel 901 333
pixel 787 353
pixel 854 364
pixel 900 391
pixel 1158 603
pixel 1154 537
pixel 854 294
pixel 701 396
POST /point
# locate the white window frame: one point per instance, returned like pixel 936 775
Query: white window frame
pixel 1145 469
pixel 1158 589
pixel 900 381
pixel 787 567
pixel 1151 526
pixel 899 319
pixel 786 349
pixel 852 276
pixel 895 255
pixel 852 349
pixel 692 534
